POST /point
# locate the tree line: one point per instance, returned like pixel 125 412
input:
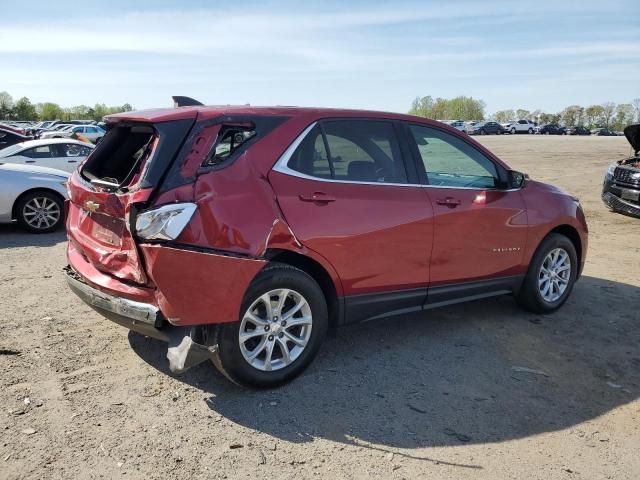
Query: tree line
pixel 23 109
pixel 609 114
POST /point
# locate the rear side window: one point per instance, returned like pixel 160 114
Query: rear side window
pixel 230 138
pixel 351 150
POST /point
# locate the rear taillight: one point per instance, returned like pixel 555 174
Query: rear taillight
pixel 164 223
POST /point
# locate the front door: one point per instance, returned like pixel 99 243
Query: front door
pixel 345 192
pixel 480 229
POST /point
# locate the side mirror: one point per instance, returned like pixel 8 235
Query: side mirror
pixel 515 179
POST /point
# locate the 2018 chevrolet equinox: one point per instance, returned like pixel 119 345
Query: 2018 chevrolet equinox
pixel 242 234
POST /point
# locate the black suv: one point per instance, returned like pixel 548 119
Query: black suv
pixel 621 189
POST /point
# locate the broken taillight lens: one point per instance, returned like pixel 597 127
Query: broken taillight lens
pixel 164 223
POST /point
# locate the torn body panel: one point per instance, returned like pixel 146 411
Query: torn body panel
pixel 222 280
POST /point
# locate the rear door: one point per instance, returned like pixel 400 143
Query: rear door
pixel 480 228
pixel 43 156
pixel 346 192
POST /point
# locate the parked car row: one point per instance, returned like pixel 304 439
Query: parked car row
pixel 11 133
pixel 523 126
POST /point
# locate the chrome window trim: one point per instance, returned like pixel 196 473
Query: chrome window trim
pixel 282 167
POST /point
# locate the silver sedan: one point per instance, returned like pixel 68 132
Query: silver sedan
pixel 32 196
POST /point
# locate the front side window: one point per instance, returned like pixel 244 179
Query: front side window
pixel 351 150
pixel 450 162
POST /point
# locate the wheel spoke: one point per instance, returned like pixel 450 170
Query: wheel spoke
pixel 267 359
pixel 266 300
pixel 257 321
pixel 282 298
pixel 295 309
pixel 244 336
pixel 252 354
pixel 286 355
pixel 298 341
pixel 294 322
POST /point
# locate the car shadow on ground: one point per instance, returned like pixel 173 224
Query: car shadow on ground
pixel 475 373
pixel 12 236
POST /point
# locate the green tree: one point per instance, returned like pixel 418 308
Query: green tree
pixel 549 118
pixel 572 115
pixel 636 108
pixel 502 116
pixel 458 108
pixel 608 110
pixel 623 116
pixel 6 105
pixel 522 114
pixel 421 106
pixel 25 110
pixel 50 111
pixel 593 114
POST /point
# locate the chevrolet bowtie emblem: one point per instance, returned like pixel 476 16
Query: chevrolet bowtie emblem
pixel 91 206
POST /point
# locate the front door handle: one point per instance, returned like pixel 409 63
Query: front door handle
pixel 449 202
pixel 29 161
pixel 72 161
pixel 318 197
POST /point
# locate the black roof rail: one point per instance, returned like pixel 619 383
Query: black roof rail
pixel 180 101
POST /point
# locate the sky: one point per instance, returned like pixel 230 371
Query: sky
pixel 375 55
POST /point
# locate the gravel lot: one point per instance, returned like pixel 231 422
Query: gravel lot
pixel 427 396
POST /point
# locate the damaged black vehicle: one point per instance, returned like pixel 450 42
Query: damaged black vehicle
pixel 621 189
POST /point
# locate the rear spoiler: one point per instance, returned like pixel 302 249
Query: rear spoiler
pixel 179 101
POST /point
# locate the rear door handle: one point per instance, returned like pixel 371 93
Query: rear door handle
pixel 319 197
pixel 29 161
pixel 449 202
pixel 72 161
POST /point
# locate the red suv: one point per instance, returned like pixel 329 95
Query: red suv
pixel 243 234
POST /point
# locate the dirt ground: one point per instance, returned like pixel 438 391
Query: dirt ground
pixel 428 396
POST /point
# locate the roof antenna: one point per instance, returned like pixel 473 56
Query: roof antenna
pixel 179 101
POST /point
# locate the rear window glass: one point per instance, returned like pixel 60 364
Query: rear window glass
pixel 120 155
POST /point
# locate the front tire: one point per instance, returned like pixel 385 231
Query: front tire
pixel 283 322
pixel 552 273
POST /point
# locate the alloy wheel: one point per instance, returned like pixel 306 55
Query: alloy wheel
pixel 554 275
pixel 275 329
pixel 41 213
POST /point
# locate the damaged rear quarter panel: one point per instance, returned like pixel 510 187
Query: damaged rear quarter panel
pixel 197 288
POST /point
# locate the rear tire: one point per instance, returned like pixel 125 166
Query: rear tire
pixel 540 296
pixel 251 351
pixel 530 131
pixel 40 211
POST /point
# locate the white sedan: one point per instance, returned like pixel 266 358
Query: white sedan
pixel 60 153
pixel 91 132
pixel 32 196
